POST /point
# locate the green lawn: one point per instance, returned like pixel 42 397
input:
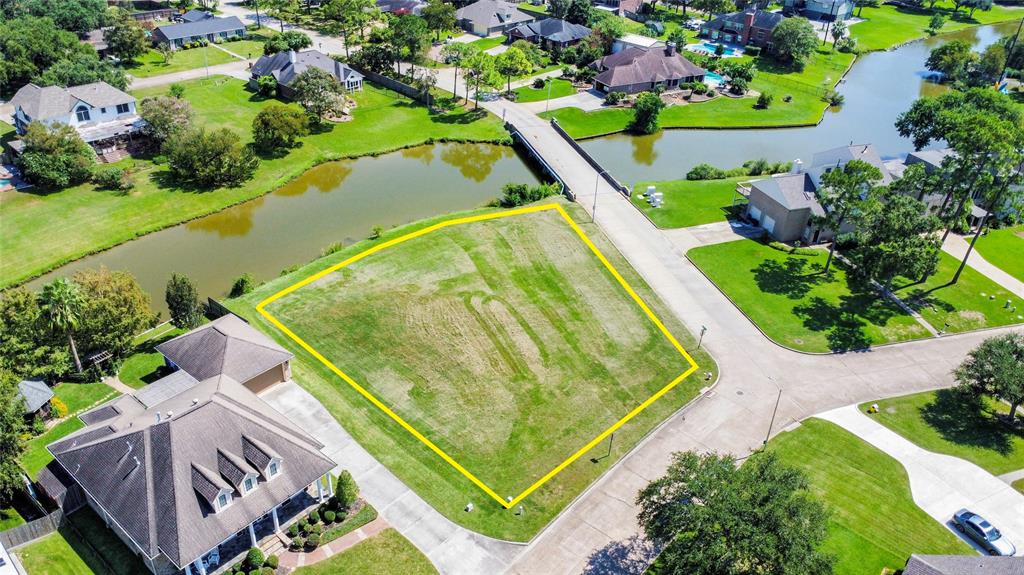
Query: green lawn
pixel 1019 485
pixel 1004 248
pixel 805 107
pixel 874 522
pixel 9 517
pixel 558 89
pixel 152 63
pixel 79 396
pixel 889 26
pixel 972 303
pixel 488 43
pixel 386 553
pixel 949 422
pixel 36 457
pixel 253 43
pixel 85 547
pixel 141 368
pixel 35 222
pixel 365 515
pixel 470 334
pixel 689 202
pixel 796 305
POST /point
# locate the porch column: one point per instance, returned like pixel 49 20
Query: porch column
pixel 252 535
pixel 330 484
pixel 320 489
pixel 277 524
pixel 188 569
pixel 200 566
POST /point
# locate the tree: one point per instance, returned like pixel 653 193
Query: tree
pixel 78 16
pixel 411 37
pixel 996 367
pixel 933 119
pixel 936 22
pixel 165 115
pixel 714 518
pixel 580 12
pixel 346 490
pixel 28 347
pixel 712 7
pixel 30 45
pixel 951 59
pixel 126 39
pixel 61 302
pixel 115 310
pixel 844 192
pixel 972 5
pixel 55 156
pixel 512 62
pixel 82 67
pixel 440 16
pixel 604 34
pixel 290 40
pixel 424 79
pixel 165 51
pixel 183 302
pixel 349 17
pixel 244 284
pixel 481 70
pixel 558 8
pixel 317 92
pixel 209 159
pixel 989 66
pixel 457 54
pixel 794 40
pixel 645 113
pixel 896 238
pixel 838 32
pixel 12 433
pixel 277 126
pixel 283 10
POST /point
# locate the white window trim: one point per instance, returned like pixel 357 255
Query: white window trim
pixel 255 484
pixel 266 472
pixel 217 506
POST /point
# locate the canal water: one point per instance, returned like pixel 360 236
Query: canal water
pixel 877 89
pixel 336 201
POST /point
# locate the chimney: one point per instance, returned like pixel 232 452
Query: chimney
pixel 291 56
pixel 748 24
pixel 798 167
pixel 670 48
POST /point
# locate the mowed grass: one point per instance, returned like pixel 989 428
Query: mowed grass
pixel 386 553
pixel 948 421
pixel 488 43
pixel 151 63
pixel 505 342
pixel 1004 248
pixel 806 106
pixel 796 305
pixel 84 547
pixel 689 202
pixel 974 302
pixel 9 517
pixel 874 522
pixel 35 223
pixel 888 26
pixel 555 88
pixel 78 397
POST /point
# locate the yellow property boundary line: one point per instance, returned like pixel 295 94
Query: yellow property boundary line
pixel 380 405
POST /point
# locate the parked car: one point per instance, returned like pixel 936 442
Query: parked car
pixel 984 533
pixel 693 24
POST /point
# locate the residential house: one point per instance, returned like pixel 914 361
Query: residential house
pixel 626 8
pixel 286 66
pixel 963 565
pixel 751 27
pixel 195 15
pixel 636 41
pixel 636 70
pixel 95 39
pixel 36 395
pixel 823 10
pixel 487 17
pixel 550 33
pixel 399 7
pixel 209 29
pixel 153 15
pixel 194 469
pixel 103 116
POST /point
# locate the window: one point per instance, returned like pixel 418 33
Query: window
pixel 273 469
pixel 222 501
pixel 82 113
pixel 103 110
pixel 123 108
pixel 248 485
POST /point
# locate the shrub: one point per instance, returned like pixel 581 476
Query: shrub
pixel 111 178
pixel 332 248
pixel 237 568
pixel 753 51
pixel 176 90
pixel 765 100
pixel 266 86
pixel 272 561
pixel 55 156
pixel 376 232
pixel 59 407
pixel 209 159
pixel 243 285
pixel 345 490
pixel 700 88
pixel 314 517
pixel 613 98
pixel 738 86
pixel 254 558
pixel 539 83
pixel 329 516
pixel 293 531
pixel 834 98
pixel 267 571
pixel 313 541
pixel 277 126
pixel 705 172
pixel 298 542
pixel 513 195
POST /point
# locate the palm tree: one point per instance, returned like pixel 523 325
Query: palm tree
pixel 61 302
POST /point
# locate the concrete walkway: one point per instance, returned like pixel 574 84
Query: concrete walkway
pixel 238 69
pixel 587 101
pixel 1012 476
pixel 941 484
pixel 292 559
pixel 956 246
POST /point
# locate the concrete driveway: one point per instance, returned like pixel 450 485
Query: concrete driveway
pixel 942 484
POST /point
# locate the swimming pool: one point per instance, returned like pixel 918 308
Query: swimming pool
pixel 713 76
pixel 712 47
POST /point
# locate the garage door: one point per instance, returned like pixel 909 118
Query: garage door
pixel 755 213
pixel 768 224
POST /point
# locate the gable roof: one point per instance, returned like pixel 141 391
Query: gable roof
pixel 285 66
pixel 963 565
pixel 199 28
pixel 843 154
pixel 762 19
pixel 226 346
pixel 491 13
pixel 553 29
pixel 155 469
pixel 195 15
pixel 791 191
pixel 36 394
pixel 637 66
pixel 48 102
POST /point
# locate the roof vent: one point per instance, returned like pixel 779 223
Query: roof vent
pixel 195 400
pixel 158 417
pixel 170 414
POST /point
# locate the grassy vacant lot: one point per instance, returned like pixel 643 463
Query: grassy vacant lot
pixel 796 305
pixel 85 547
pixel 947 421
pixel 558 88
pixel 972 303
pixel 689 202
pixel 806 106
pixel 505 342
pixel 386 553
pixel 35 222
pixel 152 63
pixel 1004 248
pixel 889 26
pixel 874 523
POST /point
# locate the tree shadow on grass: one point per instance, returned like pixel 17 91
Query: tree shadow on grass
pixel 846 321
pixel 630 557
pixel 793 277
pixel 961 417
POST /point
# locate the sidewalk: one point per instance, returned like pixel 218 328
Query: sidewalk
pixel 238 69
pixel 956 246
pixel 293 559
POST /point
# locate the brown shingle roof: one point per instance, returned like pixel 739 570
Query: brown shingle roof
pixel 226 346
pixel 638 66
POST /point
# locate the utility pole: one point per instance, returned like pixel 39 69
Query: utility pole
pixel 703 330
pixel 828 23
pixel 1009 52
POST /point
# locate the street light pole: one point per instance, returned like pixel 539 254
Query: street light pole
pixel 824 39
pixel 547 102
pixel 703 330
pixel 1009 53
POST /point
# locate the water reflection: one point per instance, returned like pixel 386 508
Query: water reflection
pixel 235 221
pixel 644 152
pixel 474 161
pixel 424 154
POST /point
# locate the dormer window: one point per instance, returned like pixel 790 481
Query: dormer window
pixel 223 501
pixel 82 113
pixel 248 484
pixel 273 469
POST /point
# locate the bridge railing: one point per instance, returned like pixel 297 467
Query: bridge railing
pixel 590 160
pixel 518 137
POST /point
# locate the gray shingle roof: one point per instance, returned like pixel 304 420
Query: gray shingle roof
pixel 45 103
pixel 285 66
pixel 199 28
pixel 843 154
pixel 638 66
pixel 963 565
pixel 227 346
pixel 36 394
pixel 762 19
pixel 791 191
pixel 208 483
pixel 232 467
pixel 492 13
pixel 553 29
pixel 257 453
pixel 195 15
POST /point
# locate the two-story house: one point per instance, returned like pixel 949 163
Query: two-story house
pixel 751 27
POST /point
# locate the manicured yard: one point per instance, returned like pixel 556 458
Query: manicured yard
pixel 365 515
pixel 85 547
pixel 35 222
pixel 252 46
pixel 1019 485
pixel 36 457
pixel 874 522
pixel 689 202
pixel 794 304
pixel 1004 248
pixel 80 396
pixel 386 553
pixel 947 421
pixel 471 335
pixel 805 107
pixel 889 26
pixel 144 366
pixel 491 42
pixel 9 517
pixel 972 303
pixel 152 63
pixel 556 88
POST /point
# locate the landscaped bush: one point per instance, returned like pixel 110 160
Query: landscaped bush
pixel 272 561
pixel 266 86
pixel 314 517
pixel 254 558
pixel 539 83
pixel 752 51
pixel 738 86
pixel 298 542
pixel 705 171
pixel 513 195
pixel 613 98
pixel 58 407
pixel 764 100
pixel 111 178
pixel 699 88
pixel 313 541
pixel 792 250
pixel 329 516
pixel 293 531
pixel 346 491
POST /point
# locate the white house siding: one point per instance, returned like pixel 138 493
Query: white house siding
pixel 96 116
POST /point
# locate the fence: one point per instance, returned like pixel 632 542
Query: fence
pixel 590 160
pixel 215 309
pixel 517 137
pixel 392 84
pixel 32 530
